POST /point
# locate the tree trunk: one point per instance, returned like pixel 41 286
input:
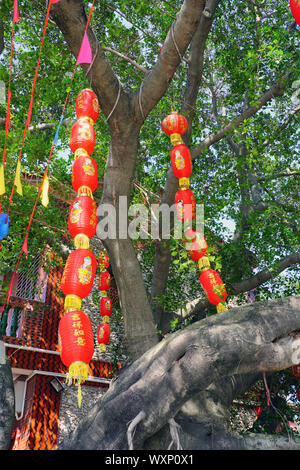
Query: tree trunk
pixel 248 340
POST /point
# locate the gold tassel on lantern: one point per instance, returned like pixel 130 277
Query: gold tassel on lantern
pixel 176 139
pixel 77 374
pixel 184 183
pixel 102 347
pixel 72 302
pixel 82 241
pixel 222 307
pixel 203 263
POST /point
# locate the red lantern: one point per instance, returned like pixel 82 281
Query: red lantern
pixel 258 410
pixel 185 205
pixel 85 173
pixel 87 105
pixel 76 344
pixel 105 307
pixel 213 286
pixel 82 218
pixel 295 371
pixel 82 136
pixel 79 273
pixel 175 125
pixel 104 281
pixel 196 244
pixel 295 9
pixel 103 335
pixel 181 161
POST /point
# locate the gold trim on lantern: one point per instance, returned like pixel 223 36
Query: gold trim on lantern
pixel 78 372
pixel 102 347
pixel 103 293
pixel 80 152
pixel 72 302
pixel 203 263
pixel 184 183
pixel 86 118
pixel 82 241
pixel 222 307
pixel 105 319
pixel 176 139
pixel 103 268
pixel 85 191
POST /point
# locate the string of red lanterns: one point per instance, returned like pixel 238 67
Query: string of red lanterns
pixel 175 125
pixel 76 341
pixel 103 332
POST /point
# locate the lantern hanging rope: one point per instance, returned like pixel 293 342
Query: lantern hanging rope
pixel 175 125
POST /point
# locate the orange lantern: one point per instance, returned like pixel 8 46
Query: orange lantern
pixel 181 161
pixel 78 277
pixel 175 125
pixel 105 308
pixel 87 105
pixel 103 335
pixel 104 281
pixel 82 220
pixel 85 174
pixel 82 136
pixel 213 287
pixel 76 345
pixel 185 205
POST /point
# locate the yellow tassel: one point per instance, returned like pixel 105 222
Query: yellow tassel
pixel 102 347
pixel 203 263
pixel 82 241
pixel 2 182
pixel 105 319
pixel 45 189
pixel 79 396
pixel 184 183
pixel 222 307
pixel 85 191
pixel 86 118
pixel 80 152
pixel 72 302
pixel 78 372
pixel 17 181
pixel 176 139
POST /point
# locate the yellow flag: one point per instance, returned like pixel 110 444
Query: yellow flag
pixel 2 182
pixel 17 182
pixel 45 188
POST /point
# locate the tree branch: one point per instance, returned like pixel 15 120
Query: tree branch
pixel 275 91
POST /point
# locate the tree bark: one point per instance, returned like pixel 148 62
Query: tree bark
pixel 248 340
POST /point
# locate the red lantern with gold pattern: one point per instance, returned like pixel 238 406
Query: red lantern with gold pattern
pixel 85 173
pixel 104 281
pixel 181 161
pixel 105 307
pixel 82 218
pixel 87 104
pixel 185 205
pixel 76 344
pixel 295 371
pixel 195 244
pixel 103 335
pixel 175 125
pixel 82 136
pixel 213 286
pixel 79 274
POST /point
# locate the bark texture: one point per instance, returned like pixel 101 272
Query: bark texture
pixel 246 340
pixel 7 400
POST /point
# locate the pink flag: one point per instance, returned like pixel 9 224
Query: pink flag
pixel 16 16
pixel 25 246
pixel 54 1
pixel 85 53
